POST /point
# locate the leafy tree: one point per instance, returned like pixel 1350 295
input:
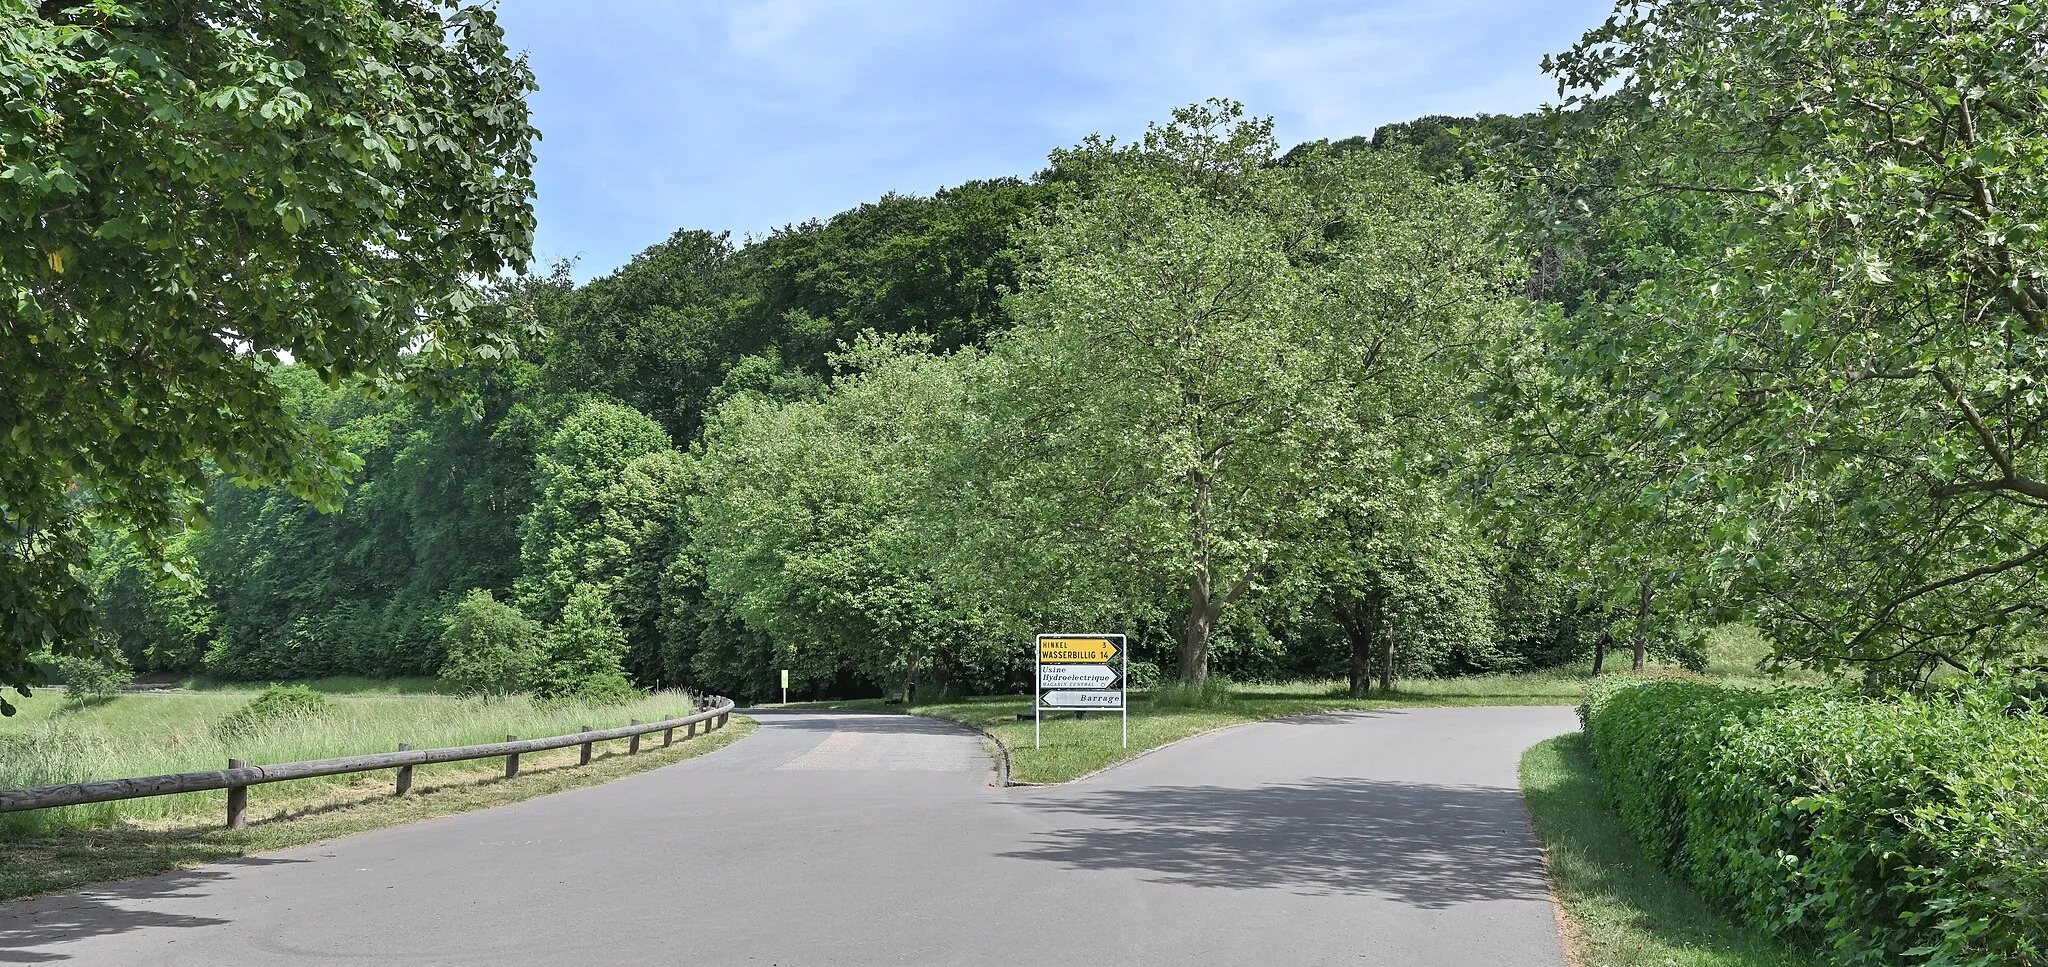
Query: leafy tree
pixel 687 319
pixel 818 524
pixel 87 679
pixel 196 189
pixel 1411 589
pixel 657 334
pixel 157 621
pixel 610 492
pixel 1214 354
pixel 298 592
pixel 1447 147
pixel 940 266
pixel 584 651
pixel 492 648
pixel 1842 377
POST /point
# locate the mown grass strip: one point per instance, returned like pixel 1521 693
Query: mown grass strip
pixel 1620 909
pixel 294 814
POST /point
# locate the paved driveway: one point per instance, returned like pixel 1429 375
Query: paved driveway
pixel 1393 838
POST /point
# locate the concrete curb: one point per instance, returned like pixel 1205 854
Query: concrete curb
pixel 1002 756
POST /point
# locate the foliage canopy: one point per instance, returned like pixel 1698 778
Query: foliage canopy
pixel 196 191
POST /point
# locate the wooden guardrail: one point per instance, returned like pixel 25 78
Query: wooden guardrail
pixel 239 775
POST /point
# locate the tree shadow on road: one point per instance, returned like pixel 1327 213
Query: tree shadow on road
pixel 1428 846
pixel 32 930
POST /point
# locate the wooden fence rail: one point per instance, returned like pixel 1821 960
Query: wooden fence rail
pixel 238 777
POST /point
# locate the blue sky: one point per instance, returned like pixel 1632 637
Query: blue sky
pixel 745 115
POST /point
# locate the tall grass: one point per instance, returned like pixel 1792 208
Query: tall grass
pixel 1213 693
pixel 143 735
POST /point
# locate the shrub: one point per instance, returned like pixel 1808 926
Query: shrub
pixel 1908 831
pixel 585 651
pixel 87 679
pixel 492 648
pixel 278 703
pixel 1143 675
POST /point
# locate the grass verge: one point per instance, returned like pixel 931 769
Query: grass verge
pixel 1620 909
pixel 1074 748
pixel 51 741
pixel 287 814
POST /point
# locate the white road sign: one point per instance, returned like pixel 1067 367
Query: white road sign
pixel 1076 676
pixel 1065 699
pixel 1081 673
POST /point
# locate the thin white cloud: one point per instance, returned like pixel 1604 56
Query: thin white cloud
pixel 749 114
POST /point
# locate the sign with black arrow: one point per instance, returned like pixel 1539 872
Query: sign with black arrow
pixel 1084 673
pixel 1076 676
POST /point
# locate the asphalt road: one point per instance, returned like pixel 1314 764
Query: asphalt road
pixel 1393 838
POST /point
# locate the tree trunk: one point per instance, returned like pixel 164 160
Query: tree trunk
pixel 1642 641
pixel 1194 651
pixel 1359 678
pixel 1363 618
pixel 1385 635
pixel 1599 652
pixel 1194 639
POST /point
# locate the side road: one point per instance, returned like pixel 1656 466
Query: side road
pixel 1392 837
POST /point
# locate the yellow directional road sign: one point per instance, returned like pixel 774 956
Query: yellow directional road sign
pixel 1081 651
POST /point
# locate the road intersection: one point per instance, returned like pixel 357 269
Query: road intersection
pixel 1395 838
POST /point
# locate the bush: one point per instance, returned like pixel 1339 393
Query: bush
pixel 1910 831
pixel 585 651
pixel 278 703
pixel 492 648
pixel 87 679
pixel 1143 675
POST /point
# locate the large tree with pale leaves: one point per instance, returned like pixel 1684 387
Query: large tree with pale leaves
pixel 1216 355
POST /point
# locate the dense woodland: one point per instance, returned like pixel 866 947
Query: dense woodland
pixel 884 448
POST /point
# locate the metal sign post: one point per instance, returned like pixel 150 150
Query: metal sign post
pixel 1084 673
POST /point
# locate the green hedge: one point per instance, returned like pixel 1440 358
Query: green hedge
pixel 1909 831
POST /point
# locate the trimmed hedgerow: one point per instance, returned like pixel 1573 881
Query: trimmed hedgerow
pixel 1897 831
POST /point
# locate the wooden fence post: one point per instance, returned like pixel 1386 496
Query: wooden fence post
pixel 511 761
pixel 586 750
pixel 404 772
pixel 668 735
pixel 238 800
pixel 633 745
pixel 693 731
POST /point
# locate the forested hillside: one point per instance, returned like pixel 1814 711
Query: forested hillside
pixel 827 449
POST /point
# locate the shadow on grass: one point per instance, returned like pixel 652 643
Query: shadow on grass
pixel 1429 846
pixel 1625 908
pixel 74 704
